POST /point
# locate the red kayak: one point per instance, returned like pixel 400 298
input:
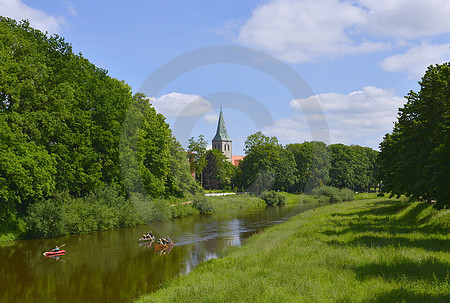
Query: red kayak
pixel 54 253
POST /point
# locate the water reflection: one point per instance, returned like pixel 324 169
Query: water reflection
pixel 113 266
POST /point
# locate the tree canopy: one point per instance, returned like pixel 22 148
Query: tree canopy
pixel 65 125
pixel 415 158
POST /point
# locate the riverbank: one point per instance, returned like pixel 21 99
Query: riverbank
pixel 376 250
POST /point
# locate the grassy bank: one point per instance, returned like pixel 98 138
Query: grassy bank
pixel 374 250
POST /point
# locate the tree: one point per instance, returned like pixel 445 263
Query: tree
pixel 352 167
pixel 180 181
pixel 313 164
pixel 258 139
pixel 145 149
pixel 414 159
pixel 197 155
pixel 218 171
pixel 267 165
pixel 342 173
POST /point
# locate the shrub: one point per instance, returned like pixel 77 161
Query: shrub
pixel 273 198
pixel 347 194
pixel 334 194
pixel 203 205
pixel 183 210
pixel 149 210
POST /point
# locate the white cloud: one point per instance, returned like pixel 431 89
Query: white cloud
pixel 416 60
pixel 181 105
pixel 211 118
pixel 301 31
pixel 16 9
pixel 361 117
pixel 304 30
pixel 407 19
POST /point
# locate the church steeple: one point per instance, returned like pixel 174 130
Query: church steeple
pixel 221 133
pixel 221 140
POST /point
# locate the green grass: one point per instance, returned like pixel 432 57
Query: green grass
pixel 376 250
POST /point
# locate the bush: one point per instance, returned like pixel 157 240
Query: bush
pixel 333 194
pixel 149 210
pixel 273 198
pixel 347 194
pixel 203 205
pixel 183 210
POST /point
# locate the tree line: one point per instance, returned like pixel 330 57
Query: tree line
pixel 296 167
pixel 67 127
pixel 414 159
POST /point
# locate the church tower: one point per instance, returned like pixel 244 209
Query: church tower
pixel 221 140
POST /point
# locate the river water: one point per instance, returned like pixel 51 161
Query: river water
pixel 113 267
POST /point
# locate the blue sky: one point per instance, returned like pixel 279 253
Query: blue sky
pixel 357 59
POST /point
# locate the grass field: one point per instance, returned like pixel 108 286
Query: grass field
pixel 374 250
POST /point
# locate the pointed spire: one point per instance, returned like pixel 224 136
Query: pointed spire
pixel 221 133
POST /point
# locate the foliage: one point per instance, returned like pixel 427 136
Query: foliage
pixel 267 165
pixel 313 165
pixel 258 139
pixel 334 194
pixel 149 209
pixel 415 158
pixel 202 204
pixel 273 198
pixel 197 155
pixel 66 126
pixel 218 171
pixel 352 167
pixel 233 202
pixel 61 215
pixel 183 210
pixel 180 182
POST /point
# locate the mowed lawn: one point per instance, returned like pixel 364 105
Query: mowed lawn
pixel 378 250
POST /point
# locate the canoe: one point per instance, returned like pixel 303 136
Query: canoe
pixel 162 246
pixel 54 253
pixel 146 239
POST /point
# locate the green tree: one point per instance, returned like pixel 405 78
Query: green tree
pixel 342 173
pixel 180 181
pixel 218 171
pixel 313 164
pixel 352 167
pixel 145 149
pixel 267 165
pixel 27 171
pixel 414 159
pixel 258 139
pixel 197 156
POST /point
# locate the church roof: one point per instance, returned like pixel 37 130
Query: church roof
pixel 221 133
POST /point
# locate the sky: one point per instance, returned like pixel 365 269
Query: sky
pixel 300 70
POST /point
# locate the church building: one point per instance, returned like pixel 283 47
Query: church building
pixel 221 140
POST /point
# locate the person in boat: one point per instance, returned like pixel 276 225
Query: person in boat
pixel 162 241
pixel 56 249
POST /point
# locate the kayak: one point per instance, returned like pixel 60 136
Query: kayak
pixel 54 253
pixel 162 246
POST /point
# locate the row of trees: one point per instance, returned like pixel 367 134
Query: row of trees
pixel 65 125
pixel 415 158
pixel 297 167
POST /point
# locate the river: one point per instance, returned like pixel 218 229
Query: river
pixel 113 267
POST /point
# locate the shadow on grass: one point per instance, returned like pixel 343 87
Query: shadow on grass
pixel 381 208
pixel 403 295
pixel 438 245
pixel 429 269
